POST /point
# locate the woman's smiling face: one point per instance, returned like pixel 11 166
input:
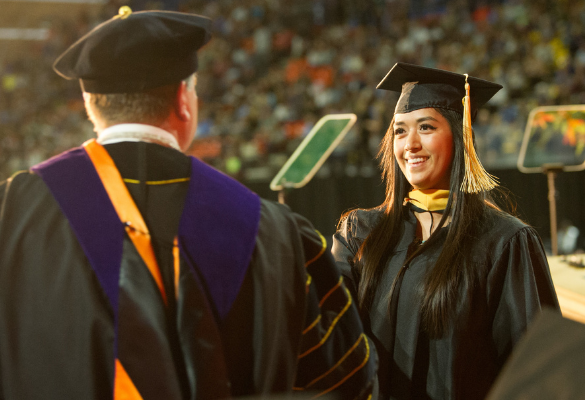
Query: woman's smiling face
pixel 423 147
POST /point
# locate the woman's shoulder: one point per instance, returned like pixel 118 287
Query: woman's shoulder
pixel 501 224
pixel 359 222
pixel 499 231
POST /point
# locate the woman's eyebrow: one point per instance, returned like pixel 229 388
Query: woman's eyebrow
pixel 422 119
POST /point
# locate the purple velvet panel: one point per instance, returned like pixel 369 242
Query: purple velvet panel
pixel 218 232
pixel 75 184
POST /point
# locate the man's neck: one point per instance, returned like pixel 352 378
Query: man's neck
pixel 137 133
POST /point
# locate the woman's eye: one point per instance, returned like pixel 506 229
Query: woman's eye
pixel 398 131
pixel 426 127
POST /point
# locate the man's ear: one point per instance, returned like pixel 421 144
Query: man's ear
pixel 182 102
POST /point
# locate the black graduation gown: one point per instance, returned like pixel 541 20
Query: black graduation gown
pixel 56 324
pixel 463 364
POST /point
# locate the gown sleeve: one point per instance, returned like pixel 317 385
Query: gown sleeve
pixel 519 285
pixel 345 247
pixel 335 355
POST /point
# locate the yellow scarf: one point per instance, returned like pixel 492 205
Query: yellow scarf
pixel 429 200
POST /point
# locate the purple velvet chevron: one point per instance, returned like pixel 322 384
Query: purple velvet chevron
pixel 76 185
pixel 218 232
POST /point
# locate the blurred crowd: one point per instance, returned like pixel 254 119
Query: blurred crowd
pixel 275 67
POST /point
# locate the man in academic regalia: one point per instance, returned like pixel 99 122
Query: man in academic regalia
pixel 131 271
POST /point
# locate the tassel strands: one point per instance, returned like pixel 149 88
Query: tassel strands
pixel 476 178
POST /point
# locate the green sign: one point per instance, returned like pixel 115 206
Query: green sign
pixel 554 136
pixel 313 151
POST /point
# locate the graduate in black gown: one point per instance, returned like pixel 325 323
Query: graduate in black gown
pixel 446 281
pixel 129 270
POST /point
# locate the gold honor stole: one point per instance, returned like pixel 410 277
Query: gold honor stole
pixel 429 199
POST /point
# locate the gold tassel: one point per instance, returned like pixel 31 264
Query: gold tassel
pixel 476 178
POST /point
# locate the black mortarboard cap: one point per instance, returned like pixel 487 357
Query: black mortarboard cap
pixel 423 87
pixel 133 52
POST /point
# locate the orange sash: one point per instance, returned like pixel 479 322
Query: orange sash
pixel 124 388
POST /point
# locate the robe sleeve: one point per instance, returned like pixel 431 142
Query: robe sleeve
pixel 335 356
pixel 345 247
pixel 519 285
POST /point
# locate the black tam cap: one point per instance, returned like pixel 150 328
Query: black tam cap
pixel 423 87
pixel 133 52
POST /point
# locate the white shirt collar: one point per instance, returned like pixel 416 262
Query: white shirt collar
pixel 137 133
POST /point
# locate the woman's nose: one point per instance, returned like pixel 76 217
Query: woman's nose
pixel 412 142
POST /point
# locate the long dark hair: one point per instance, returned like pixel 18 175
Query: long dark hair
pixel 450 274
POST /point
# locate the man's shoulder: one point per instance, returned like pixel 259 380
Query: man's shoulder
pixel 22 181
pixel 273 210
pixel 283 224
pixel 24 196
pixel 280 215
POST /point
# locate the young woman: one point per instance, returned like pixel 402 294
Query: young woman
pixel 446 282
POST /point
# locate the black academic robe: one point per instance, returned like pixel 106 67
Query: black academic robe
pixel 56 323
pixel 515 283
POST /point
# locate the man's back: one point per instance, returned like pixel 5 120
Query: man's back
pixel 60 336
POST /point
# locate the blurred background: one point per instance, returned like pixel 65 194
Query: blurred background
pixel 275 67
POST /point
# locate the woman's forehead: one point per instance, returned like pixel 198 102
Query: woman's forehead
pixel 416 115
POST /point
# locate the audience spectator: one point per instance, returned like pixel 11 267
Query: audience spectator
pixel 275 67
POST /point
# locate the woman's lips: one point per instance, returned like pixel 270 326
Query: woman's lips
pixel 415 162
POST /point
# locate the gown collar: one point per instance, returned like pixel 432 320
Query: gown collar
pixel 137 133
